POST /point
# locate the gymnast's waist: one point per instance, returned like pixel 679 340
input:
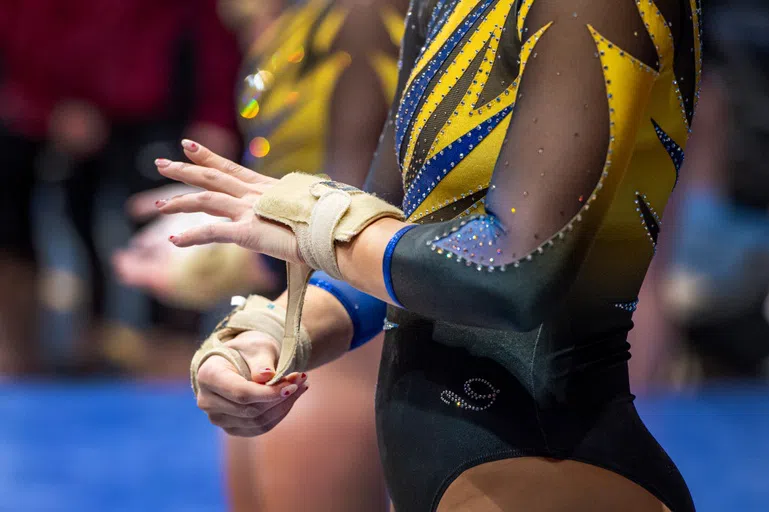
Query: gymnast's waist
pixel 550 366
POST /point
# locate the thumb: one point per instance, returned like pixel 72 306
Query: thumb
pixel 261 352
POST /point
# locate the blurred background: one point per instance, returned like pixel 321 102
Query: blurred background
pixel 95 407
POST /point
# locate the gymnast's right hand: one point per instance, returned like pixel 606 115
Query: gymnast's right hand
pixel 248 408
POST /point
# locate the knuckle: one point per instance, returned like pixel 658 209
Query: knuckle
pixel 216 419
pixel 241 395
pixel 210 174
pixel 206 196
pixel 245 238
pixel 206 372
pixel 269 344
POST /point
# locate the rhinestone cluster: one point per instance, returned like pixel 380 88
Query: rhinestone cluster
pixel 459 242
pixel 674 150
pixel 630 307
pixel 453 399
pixel 388 325
pixel 642 197
pixel 445 160
pixel 410 101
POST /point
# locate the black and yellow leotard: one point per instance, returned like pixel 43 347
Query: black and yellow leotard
pixel 302 77
pixel 537 142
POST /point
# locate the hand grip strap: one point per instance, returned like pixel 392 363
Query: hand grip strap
pixel 295 347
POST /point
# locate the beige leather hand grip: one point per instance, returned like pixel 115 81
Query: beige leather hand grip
pixel 262 315
pixel 295 345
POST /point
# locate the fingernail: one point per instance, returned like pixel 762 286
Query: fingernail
pixel 189 145
pixel 289 390
pixel 162 162
pixel 161 202
pixel 303 376
pixel 172 239
pixel 267 370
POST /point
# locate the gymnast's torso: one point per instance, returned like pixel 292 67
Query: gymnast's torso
pixel 538 143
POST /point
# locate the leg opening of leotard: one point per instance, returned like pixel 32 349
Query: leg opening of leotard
pixel 535 484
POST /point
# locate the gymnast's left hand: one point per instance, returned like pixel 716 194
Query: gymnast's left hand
pixel 229 190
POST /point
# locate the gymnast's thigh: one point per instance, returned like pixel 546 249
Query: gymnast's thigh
pixel 326 446
pixel 538 484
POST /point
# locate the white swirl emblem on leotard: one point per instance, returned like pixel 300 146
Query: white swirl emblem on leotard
pixel 453 399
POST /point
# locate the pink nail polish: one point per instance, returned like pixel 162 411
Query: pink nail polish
pixel 162 162
pixel 189 145
pixel 289 390
pixel 161 202
pixel 267 370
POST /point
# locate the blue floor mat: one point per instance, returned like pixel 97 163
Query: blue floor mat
pixel 105 447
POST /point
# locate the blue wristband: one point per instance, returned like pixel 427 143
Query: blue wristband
pixel 366 312
pixel 387 263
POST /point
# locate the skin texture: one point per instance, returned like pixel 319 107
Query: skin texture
pixel 340 436
pixel 230 190
pixel 486 487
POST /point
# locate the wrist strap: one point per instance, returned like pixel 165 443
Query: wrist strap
pixel 215 347
pixel 262 315
pixel 295 345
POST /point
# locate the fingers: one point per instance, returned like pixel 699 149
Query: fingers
pixel 216 405
pixel 212 203
pixel 249 428
pixel 133 269
pixel 207 158
pixel 250 416
pixel 219 232
pixel 141 206
pixel 260 351
pixel 217 375
pixel 206 178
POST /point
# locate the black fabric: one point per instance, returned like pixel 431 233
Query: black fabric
pixel 425 443
pixel 504 305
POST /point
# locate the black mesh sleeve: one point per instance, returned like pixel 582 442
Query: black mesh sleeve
pixel 567 148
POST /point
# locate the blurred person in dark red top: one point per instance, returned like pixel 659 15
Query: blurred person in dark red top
pixel 86 88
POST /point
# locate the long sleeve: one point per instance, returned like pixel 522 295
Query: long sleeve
pixel 587 70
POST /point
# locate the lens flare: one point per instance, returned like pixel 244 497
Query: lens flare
pixel 292 97
pixel 259 147
pixel 297 56
pixel 250 109
pixel 254 86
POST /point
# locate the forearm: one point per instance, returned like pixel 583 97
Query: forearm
pixel 327 323
pixel 361 260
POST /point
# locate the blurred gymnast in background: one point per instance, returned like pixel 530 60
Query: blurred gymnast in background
pixel 318 79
